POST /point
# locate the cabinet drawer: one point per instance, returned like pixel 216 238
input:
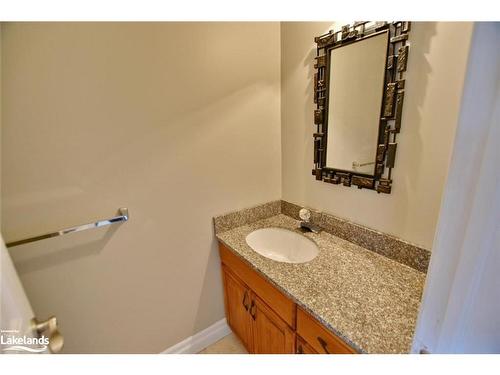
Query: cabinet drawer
pixel 282 305
pixel 318 337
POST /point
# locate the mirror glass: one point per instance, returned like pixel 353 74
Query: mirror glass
pixel 356 79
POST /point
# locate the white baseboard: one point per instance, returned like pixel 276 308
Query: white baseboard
pixel 199 341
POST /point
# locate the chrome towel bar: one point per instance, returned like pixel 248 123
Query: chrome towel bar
pixel 123 215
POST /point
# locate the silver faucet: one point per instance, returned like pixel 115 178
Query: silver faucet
pixel 305 223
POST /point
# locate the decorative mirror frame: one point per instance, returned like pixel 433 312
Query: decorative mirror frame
pixel 391 106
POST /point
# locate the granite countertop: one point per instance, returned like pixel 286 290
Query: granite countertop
pixel 369 300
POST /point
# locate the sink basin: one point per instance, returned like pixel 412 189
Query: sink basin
pixel 282 245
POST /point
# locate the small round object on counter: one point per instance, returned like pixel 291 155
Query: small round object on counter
pixel 305 214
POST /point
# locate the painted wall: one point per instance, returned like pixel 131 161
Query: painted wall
pixel 177 121
pixel 436 70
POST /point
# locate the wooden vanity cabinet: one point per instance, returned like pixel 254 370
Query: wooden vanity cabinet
pixel 260 329
pixel 265 320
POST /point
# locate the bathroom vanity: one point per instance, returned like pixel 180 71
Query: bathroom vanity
pixel 346 289
pixel 265 319
pixel 348 299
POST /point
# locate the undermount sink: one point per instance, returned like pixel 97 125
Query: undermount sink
pixel 282 245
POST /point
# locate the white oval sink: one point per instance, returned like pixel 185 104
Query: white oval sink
pixel 282 245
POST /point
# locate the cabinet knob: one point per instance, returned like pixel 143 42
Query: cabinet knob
pixel 245 305
pixel 49 328
pixel 252 309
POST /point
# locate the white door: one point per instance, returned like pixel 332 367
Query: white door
pixel 19 332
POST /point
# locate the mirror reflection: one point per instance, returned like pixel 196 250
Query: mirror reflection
pixel 356 79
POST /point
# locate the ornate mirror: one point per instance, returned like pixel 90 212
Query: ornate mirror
pixel 359 91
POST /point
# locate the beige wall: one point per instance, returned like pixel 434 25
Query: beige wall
pixel 436 70
pixel 178 122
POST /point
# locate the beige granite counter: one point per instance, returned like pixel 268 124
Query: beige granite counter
pixel 369 300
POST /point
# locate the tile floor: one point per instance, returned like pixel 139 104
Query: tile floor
pixel 228 345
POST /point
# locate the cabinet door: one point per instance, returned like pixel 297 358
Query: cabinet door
pixel 303 347
pixel 271 335
pixel 237 299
